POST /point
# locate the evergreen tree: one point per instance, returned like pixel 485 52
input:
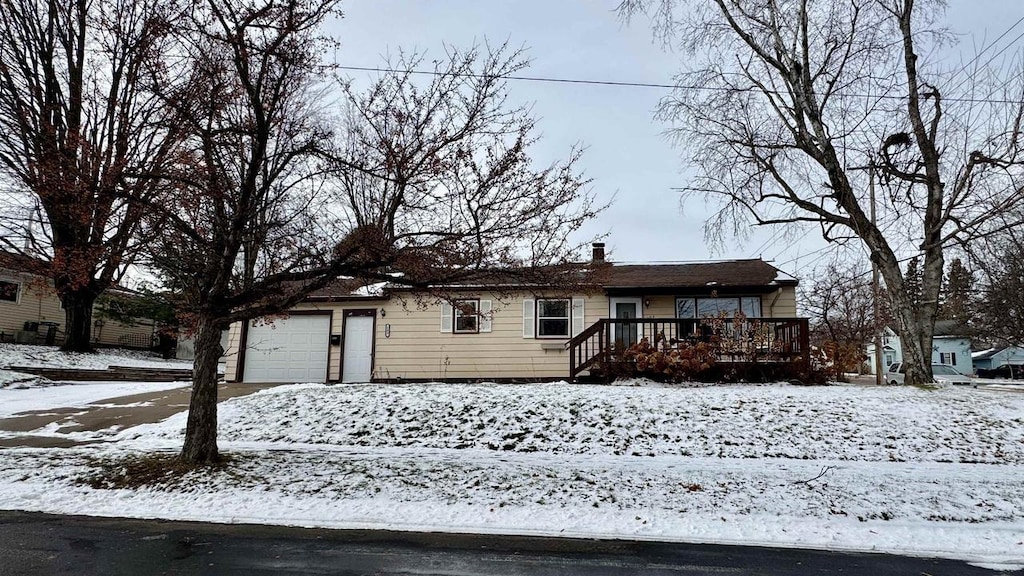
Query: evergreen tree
pixel 957 292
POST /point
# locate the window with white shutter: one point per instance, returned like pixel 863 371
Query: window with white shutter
pixel 467 316
pixel 553 317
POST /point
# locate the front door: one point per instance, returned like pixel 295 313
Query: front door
pixel 626 334
pixel 357 353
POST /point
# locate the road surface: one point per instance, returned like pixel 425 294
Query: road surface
pixel 37 544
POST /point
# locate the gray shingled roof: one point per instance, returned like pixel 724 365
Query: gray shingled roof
pixel 699 274
pixel 949 328
pixel 741 274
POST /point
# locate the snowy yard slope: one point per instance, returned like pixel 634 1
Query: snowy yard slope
pixel 851 423
pixel 931 473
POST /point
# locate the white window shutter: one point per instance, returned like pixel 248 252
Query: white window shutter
pixel 485 315
pixel 577 316
pixel 446 317
pixel 528 321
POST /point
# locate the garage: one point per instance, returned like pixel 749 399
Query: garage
pixel 292 349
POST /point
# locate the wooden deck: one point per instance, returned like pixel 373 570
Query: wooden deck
pixel 740 341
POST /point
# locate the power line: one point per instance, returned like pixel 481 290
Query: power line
pixel 628 84
pixel 805 255
pixel 757 252
pixel 986 49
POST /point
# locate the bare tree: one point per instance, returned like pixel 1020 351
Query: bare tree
pixel 784 100
pixel 417 186
pixel 997 257
pixel 840 304
pixel 79 134
pixel 444 168
pixel 1000 317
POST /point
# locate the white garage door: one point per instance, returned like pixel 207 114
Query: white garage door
pixel 293 349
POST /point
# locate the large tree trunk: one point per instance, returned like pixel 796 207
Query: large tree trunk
pixel 915 321
pixel 201 431
pixel 78 305
pixel 917 351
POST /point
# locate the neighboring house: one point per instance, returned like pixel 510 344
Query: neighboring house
pixel 950 346
pixel 892 352
pixel 26 296
pixel 496 330
pixel 995 358
pixel 185 347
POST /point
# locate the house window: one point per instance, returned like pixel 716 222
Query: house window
pixel 553 318
pixel 467 316
pixel 751 306
pixel 705 307
pixel 9 291
pixel 686 308
pixel 948 358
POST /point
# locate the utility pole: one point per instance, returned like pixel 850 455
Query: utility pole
pixel 875 283
pixel 879 378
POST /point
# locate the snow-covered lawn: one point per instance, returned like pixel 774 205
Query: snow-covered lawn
pixel 14 400
pixel 904 470
pixel 52 357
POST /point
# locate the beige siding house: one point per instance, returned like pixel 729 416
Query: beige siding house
pixel 26 297
pixel 482 332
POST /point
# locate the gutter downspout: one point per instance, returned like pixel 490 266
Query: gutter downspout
pixel 778 294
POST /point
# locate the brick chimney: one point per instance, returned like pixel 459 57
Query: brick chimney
pixel 598 254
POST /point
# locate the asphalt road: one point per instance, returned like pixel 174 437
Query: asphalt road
pixel 37 544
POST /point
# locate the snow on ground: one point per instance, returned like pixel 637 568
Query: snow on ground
pixel 11 379
pixel 828 423
pixel 52 357
pixel 78 395
pixel 996 381
pixel 891 469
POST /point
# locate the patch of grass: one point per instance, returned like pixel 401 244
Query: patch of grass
pixel 162 471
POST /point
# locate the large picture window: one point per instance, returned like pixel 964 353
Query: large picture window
pixel 710 307
pixel 553 318
pixel 9 291
pixel 467 316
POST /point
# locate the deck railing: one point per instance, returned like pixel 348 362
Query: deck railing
pixel 735 340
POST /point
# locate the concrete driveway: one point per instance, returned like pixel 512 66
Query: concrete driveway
pixel 123 412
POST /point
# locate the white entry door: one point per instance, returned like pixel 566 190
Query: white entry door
pixel 626 334
pixel 292 349
pixel 357 354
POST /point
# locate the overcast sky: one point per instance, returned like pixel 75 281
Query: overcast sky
pixel 627 155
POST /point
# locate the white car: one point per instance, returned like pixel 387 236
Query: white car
pixel 942 374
